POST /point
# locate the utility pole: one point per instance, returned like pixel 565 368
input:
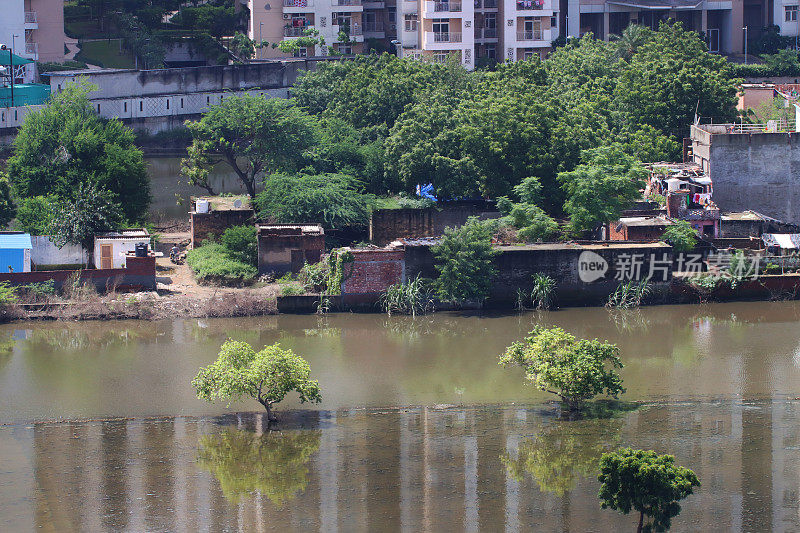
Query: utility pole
pixel 260 40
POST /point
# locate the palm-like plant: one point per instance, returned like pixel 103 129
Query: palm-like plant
pixel 630 40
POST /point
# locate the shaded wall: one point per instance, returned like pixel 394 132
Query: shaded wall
pixel 387 225
pixel 216 222
pixel 140 273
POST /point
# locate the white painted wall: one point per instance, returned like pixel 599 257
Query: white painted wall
pixel 45 252
pixel 12 22
pixel 120 246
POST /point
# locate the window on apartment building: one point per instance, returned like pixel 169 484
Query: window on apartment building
pixel 441 30
pixel 410 21
pixel 491 51
pixel 490 20
pixel 124 107
pixel 342 19
pixel 141 105
pixel 343 48
pixel 791 13
pixel 392 15
pixel 301 52
pixel 440 57
pixel 528 54
pixel 553 22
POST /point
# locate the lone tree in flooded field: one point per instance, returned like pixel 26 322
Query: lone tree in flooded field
pixel 575 370
pixel 267 376
pixel 646 482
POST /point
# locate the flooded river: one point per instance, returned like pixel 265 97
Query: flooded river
pixel 420 428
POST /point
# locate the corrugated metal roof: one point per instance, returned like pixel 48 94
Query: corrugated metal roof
pixel 15 241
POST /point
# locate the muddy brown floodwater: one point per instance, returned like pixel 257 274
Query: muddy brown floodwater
pixel 420 428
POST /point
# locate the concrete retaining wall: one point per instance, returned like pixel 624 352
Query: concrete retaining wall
pixel 387 225
pixel 45 252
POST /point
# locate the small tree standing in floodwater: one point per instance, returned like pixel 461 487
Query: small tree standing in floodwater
pixel 267 376
pixel 646 482
pixel 575 370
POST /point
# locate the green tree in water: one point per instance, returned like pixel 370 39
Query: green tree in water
pixel 267 376
pixel 275 463
pixel 574 370
pixel 643 481
pixel 563 453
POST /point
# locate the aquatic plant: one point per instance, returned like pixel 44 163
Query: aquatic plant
pixel 628 295
pixel 543 288
pixel 413 297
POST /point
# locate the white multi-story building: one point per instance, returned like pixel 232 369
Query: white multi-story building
pixel 35 28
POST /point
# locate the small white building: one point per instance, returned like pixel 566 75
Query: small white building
pixel 110 248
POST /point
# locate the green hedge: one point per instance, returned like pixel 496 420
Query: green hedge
pixel 213 263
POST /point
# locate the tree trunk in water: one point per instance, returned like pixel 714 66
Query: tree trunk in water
pixel 641 522
pixel 270 417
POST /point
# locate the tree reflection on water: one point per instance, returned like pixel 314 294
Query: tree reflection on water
pixel 273 464
pixel 563 453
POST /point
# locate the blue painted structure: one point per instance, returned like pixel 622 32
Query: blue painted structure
pixel 12 252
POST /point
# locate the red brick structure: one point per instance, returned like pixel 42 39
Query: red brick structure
pixel 139 274
pixel 371 273
pixel 286 248
pixel 638 228
pixel 221 215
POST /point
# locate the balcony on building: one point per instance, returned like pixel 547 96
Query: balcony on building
pixel 373 4
pixel 31 22
pixel 440 40
pixel 374 29
pixel 297 6
pixel 535 37
pixel 436 8
pixel 32 51
pixel 296 31
pixel 354 5
pixel 485 33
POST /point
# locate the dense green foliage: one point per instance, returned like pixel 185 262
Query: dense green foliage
pixel 575 370
pixel 681 236
pixel 267 376
pixel 252 135
pixel 7 208
pixel 66 144
pixel 605 183
pixel 646 482
pixel 483 133
pixel 214 263
pixel 76 220
pixel 242 243
pixel 413 297
pixel 333 200
pixel 274 463
pixel 464 259
pixel 35 214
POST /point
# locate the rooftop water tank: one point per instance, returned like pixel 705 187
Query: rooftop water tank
pixel 201 206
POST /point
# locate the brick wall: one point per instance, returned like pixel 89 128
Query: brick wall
pixel 280 253
pixel 371 273
pixel 216 222
pixel 140 273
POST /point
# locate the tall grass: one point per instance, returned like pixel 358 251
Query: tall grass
pixel 543 290
pixel 413 297
pixel 628 295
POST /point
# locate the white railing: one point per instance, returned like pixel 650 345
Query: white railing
pixel 298 3
pixel 773 126
pixel 444 37
pixel 346 2
pixel 30 17
pixel 31 48
pixel 440 7
pixel 530 35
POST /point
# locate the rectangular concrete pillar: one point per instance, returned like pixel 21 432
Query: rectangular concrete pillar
pixel 736 27
pixel 606 18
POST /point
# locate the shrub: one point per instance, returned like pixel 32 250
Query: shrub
pixel 292 289
pixel 314 276
pixel 242 243
pixel 333 200
pixel 35 214
pixel 628 294
pixel 681 236
pixel 39 291
pixel 464 261
pixel 7 294
pixel 214 263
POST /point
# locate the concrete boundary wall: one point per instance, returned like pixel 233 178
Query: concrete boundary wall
pixel 140 274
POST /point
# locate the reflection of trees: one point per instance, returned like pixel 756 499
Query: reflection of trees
pixel 629 320
pixel 273 464
pixel 564 452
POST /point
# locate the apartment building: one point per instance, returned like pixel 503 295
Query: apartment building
pixel 364 21
pixel 35 28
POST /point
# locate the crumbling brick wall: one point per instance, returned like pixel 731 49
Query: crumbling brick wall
pixel 371 273
pixel 387 225
pixel 282 250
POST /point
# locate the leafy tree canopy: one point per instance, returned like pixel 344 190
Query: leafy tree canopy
pixel 606 182
pixel 252 135
pixel 65 143
pixel 646 482
pixel 88 211
pixel 267 376
pixel 681 236
pixel 7 208
pixel 574 370
pixel 35 214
